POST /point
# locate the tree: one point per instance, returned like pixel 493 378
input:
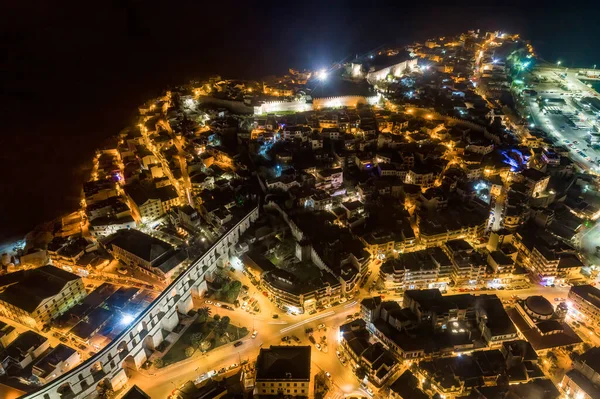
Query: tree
pixel 196 339
pixel 585 347
pixel 225 288
pixel 225 322
pixel 189 351
pixel 217 317
pixel 105 390
pixel 222 325
pixel 361 373
pixel 204 312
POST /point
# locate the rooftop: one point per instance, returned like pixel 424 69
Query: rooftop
pixel 283 363
pixel 540 305
pixel 588 292
pixel 21 346
pixel 36 285
pixel 407 387
pixel 139 244
pixel 48 363
pixel 591 358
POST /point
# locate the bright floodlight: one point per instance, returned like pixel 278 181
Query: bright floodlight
pixel 126 319
pixel 322 75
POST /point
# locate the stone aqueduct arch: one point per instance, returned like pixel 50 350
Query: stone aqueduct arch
pixel 128 350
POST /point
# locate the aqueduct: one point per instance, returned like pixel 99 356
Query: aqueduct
pixel 146 331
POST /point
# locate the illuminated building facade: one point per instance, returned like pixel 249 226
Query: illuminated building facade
pixel 35 297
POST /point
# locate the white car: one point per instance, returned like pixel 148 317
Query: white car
pixel 254 334
pixel 218 304
pixel 318 346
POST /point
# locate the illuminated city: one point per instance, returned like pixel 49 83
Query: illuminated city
pixel 413 222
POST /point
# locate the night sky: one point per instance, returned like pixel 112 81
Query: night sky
pixel 73 73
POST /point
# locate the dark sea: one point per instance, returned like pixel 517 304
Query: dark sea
pixel 595 85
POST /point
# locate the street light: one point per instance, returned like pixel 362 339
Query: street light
pixel 558 63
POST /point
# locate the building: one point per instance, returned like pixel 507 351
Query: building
pixel 468 221
pixel 586 300
pixel 58 361
pixel 299 296
pixel 468 266
pixel 149 203
pixel 536 180
pixel 37 296
pixel 189 217
pixel 150 255
pixel 416 270
pixel 495 325
pixel 105 225
pixel 7 334
pixel 374 358
pixel 22 351
pixel 583 381
pixel 541 325
pixel 283 370
pixel 429 324
pixel 330 178
pixel 407 387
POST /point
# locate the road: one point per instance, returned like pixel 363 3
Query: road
pixel 270 332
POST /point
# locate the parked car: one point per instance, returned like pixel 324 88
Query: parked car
pixel 238 343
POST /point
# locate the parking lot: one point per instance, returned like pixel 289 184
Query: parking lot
pixel 558 116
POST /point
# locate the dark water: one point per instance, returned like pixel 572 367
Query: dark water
pixel 74 75
pixel 595 85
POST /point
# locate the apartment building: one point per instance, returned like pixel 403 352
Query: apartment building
pixel 35 297
pixel 586 300
pixel 283 370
